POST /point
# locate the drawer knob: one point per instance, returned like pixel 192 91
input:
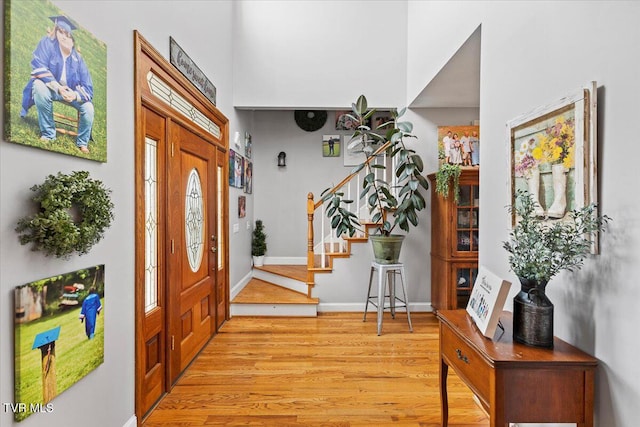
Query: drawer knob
pixel 462 356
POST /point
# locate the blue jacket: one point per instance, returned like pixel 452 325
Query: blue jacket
pixel 47 65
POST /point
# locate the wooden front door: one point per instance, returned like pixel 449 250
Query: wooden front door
pixel 193 253
pixel 182 258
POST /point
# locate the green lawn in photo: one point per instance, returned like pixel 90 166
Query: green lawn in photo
pixel 325 150
pixel 76 355
pixel 26 22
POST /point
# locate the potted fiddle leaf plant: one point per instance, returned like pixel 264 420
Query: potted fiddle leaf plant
pixel 538 250
pixel 258 244
pixel 392 202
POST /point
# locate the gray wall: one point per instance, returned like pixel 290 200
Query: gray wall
pixel 534 53
pixel 106 396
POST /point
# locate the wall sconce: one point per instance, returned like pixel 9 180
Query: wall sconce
pixel 281 159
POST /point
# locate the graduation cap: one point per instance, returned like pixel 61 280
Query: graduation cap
pixel 63 22
pixel 45 338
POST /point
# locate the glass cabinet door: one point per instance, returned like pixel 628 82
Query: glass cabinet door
pixel 467 213
pixel 465 276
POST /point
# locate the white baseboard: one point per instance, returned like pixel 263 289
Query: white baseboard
pixel 271 260
pixel 278 310
pixel 131 422
pixel 420 307
pixel 235 290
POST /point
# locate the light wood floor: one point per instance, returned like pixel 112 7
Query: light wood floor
pixel 333 370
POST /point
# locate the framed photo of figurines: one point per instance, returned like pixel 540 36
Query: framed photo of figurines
pixel 459 145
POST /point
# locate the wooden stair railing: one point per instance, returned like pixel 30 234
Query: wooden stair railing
pixel 320 255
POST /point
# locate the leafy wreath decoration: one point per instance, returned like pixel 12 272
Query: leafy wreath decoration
pixel 75 210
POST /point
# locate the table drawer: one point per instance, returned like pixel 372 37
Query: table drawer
pixel 473 369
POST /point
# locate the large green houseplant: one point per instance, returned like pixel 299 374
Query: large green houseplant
pixel 392 203
pixel 538 250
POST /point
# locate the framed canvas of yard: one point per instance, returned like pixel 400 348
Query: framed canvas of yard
pixel 553 152
pixel 48 106
pixel 59 335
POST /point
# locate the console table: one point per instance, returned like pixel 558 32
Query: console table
pixel 514 382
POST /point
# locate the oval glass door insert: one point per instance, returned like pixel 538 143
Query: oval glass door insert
pixel 194 220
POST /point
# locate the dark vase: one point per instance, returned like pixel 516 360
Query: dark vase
pixel 533 314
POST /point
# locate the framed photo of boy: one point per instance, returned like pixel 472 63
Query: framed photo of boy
pixel 330 145
pixel 48 106
pixel 553 152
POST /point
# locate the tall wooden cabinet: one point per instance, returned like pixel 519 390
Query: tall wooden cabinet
pixel 454 242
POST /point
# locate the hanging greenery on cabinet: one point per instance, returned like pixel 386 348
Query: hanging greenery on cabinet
pixel 447 174
pixel 75 211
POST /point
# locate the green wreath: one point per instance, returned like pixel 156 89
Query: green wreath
pixel 75 210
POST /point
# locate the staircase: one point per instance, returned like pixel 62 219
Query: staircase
pixel 287 290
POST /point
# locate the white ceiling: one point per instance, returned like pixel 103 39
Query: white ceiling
pixel 458 82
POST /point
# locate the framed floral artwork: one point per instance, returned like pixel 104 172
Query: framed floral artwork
pixel 553 154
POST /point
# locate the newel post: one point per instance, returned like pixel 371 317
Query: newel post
pixel 310 256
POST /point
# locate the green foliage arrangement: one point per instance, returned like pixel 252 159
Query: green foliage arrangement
pixel 540 250
pixel 75 211
pixel 258 240
pixel 377 192
pixel 447 174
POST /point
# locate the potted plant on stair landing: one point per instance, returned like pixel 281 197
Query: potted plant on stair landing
pixel 391 202
pixel 258 244
pixel 538 250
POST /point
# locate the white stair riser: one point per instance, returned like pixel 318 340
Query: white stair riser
pixel 285 282
pixel 289 310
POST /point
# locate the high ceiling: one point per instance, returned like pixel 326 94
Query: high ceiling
pixel 458 83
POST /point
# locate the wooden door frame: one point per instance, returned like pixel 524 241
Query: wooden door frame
pixel 148 58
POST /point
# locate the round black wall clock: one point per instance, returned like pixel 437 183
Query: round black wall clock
pixel 310 120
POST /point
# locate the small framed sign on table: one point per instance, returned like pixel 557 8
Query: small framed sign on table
pixel 487 300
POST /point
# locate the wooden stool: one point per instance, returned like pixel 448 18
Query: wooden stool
pixel 389 271
pixel 65 124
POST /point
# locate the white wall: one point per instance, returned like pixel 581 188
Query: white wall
pixel 534 53
pixel 106 395
pixel 323 54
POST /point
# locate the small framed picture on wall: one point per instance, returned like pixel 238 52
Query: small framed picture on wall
pixel 248 176
pixel 330 145
pixel 242 206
